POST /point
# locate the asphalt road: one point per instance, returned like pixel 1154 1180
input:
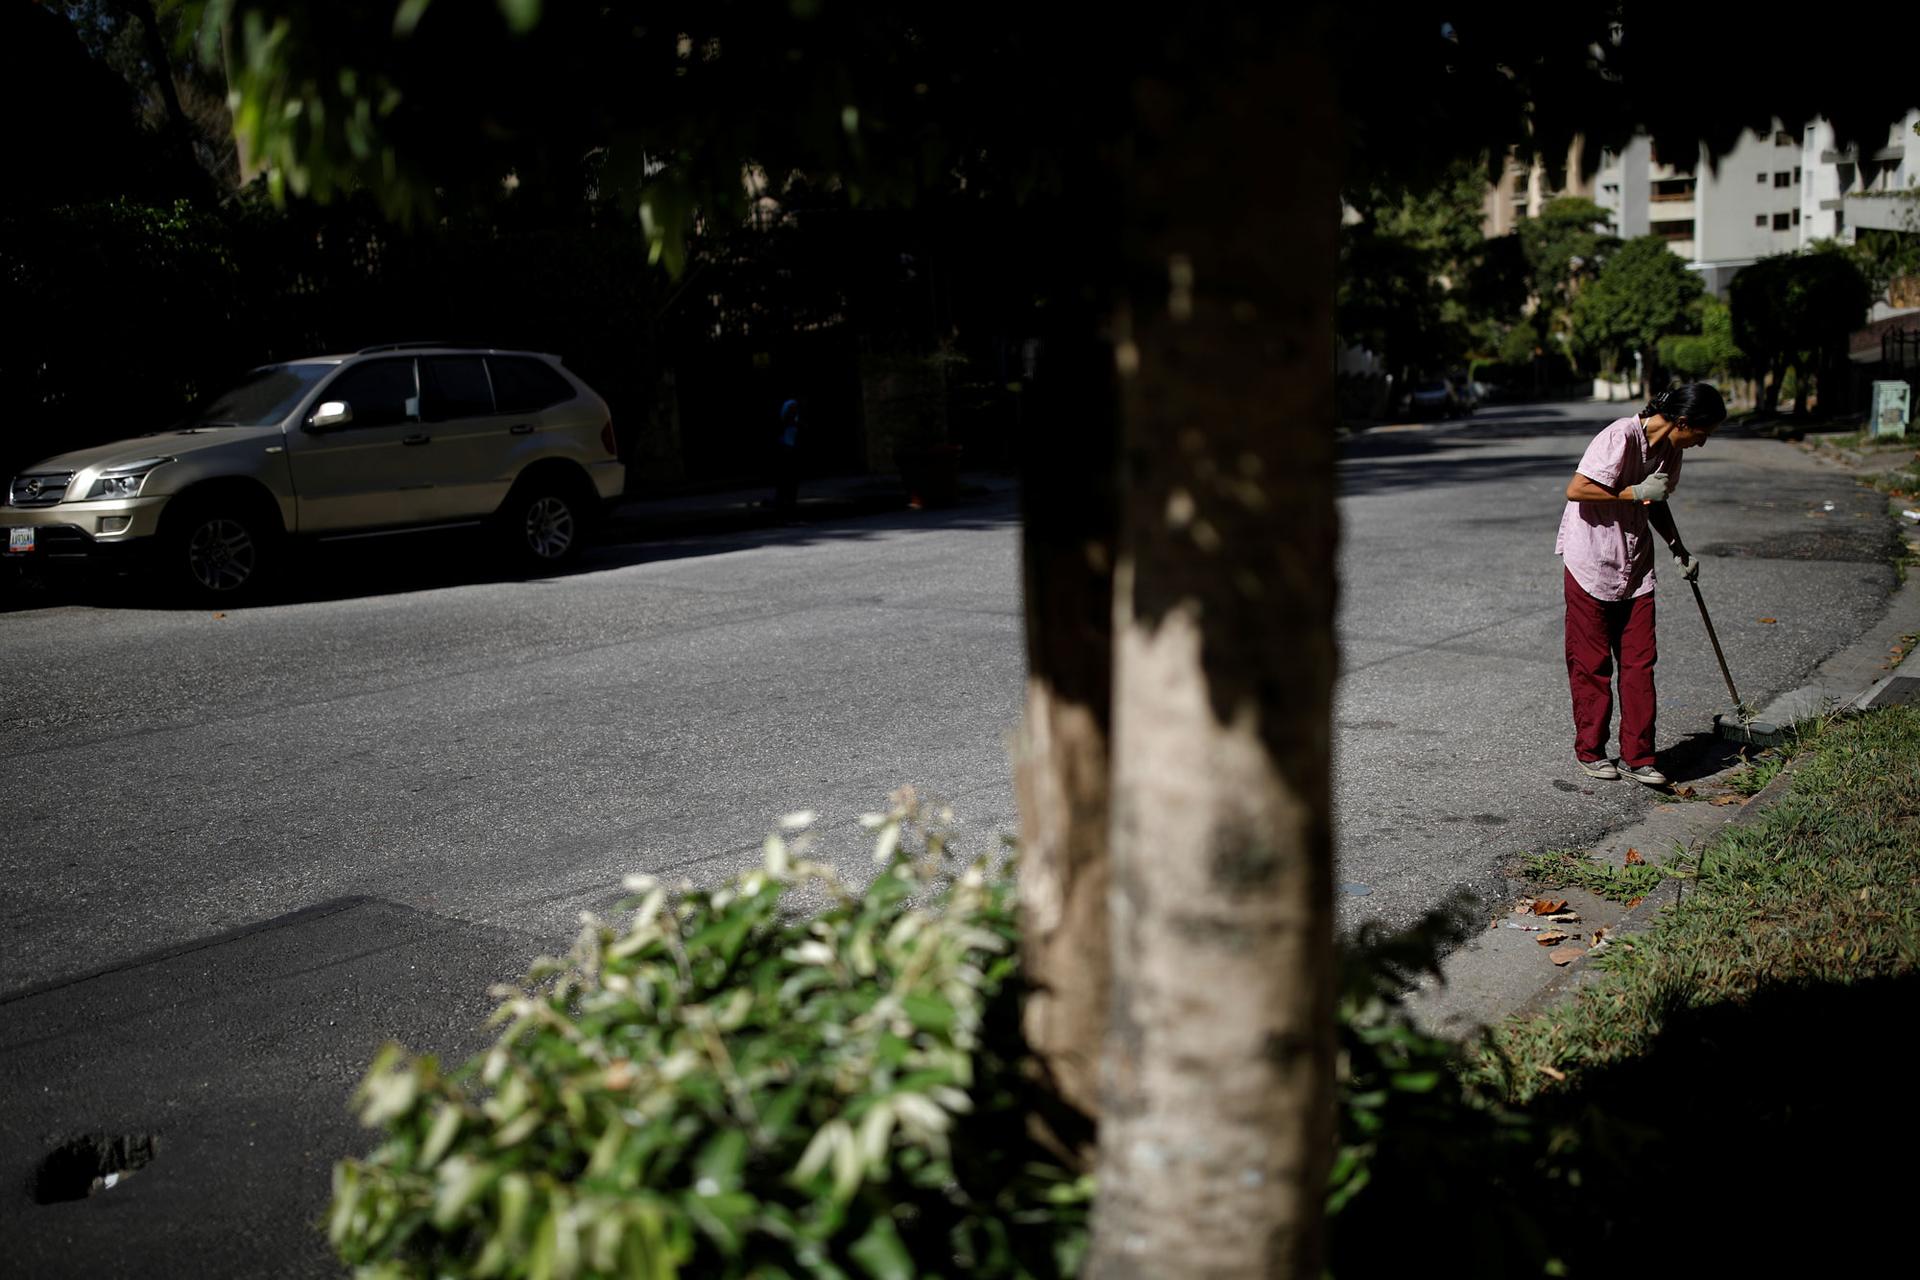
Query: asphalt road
pixel 240 852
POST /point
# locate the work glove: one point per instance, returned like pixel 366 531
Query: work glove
pixel 1689 567
pixel 1653 489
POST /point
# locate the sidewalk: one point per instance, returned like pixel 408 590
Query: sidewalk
pixel 1504 971
pixel 822 499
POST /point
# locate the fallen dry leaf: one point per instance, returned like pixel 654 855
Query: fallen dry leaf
pixel 1634 859
pixel 1553 1073
pixel 1551 937
pixel 1730 798
pixel 1634 902
pixel 1566 955
pixel 1548 907
pixel 1564 917
pixel 1601 934
pixel 1769 621
pixel 218 616
pixel 1685 793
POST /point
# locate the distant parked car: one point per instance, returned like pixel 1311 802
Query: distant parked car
pixel 1435 396
pixel 391 439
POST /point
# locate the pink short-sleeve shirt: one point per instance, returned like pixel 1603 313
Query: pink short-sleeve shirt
pixel 1608 546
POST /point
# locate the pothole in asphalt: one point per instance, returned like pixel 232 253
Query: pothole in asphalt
pixel 87 1165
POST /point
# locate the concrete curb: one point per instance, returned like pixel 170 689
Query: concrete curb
pixel 739 511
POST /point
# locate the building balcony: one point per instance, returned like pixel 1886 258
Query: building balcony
pixel 1882 211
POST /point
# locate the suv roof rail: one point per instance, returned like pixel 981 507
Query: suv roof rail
pixel 407 346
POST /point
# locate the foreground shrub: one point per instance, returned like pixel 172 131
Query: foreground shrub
pixel 726 1087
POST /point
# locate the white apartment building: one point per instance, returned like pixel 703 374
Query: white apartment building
pixel 1523 190
pixel 1771 194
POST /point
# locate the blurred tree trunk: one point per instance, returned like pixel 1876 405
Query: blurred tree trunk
pixel 1071 462
pixel 179 128
pixel 1217 1115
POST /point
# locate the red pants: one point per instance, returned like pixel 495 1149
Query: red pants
pixel 1599 634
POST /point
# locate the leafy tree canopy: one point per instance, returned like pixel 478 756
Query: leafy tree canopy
pixel 1643 293
pixel 1710 353
pixel 1788 306
pixel 1567 241
pixel 658 106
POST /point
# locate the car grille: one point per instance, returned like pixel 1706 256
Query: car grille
pixel 39 489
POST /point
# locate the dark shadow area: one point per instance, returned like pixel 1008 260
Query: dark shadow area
pixel 408 562
pixel 1700 755
pixel 1772 1137
pixel 1430 471
pixel 1775 1134
pixel 87 1165
pixel 1439 437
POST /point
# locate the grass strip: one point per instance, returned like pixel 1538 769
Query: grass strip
pixel 1822 888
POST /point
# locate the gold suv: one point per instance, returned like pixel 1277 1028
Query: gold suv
pixel 390 439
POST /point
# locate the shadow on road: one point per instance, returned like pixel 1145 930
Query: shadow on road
pixel 405 563
pixel 1394 459
pixel 230 1061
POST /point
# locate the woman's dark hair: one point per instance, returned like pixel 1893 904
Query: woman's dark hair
pixel 1695 403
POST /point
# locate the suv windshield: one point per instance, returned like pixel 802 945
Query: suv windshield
pixel 260 399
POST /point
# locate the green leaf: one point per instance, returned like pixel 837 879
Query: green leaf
pixel 462 1180
pixel 522 15
pixel 446 1125
pixel 1415 1081
pixel 721 1161
pixel 929 1013
pixel 408 16
pixel 880 1252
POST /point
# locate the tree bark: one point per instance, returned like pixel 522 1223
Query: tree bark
pixel 1217 1116
pixel 1071 461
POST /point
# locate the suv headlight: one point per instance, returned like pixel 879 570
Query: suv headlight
pixel 124 480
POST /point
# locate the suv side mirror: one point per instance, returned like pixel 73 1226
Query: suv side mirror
pixel 332 413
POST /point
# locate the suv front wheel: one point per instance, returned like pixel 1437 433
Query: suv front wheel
pixel 219 553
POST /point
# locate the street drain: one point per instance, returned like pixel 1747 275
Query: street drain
pixel 88 1165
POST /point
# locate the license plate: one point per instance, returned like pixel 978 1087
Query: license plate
pixel 19 541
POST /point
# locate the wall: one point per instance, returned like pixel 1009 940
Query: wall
pixel 1743 190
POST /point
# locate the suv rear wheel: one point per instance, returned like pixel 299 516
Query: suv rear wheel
pixel 544 522
pixel 219 552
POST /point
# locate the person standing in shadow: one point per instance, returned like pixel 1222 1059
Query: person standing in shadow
pixel 786 460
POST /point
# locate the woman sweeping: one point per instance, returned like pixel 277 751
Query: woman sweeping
pixel 1615 501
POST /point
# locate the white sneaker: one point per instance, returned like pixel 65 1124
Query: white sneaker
pixel 1645 773
pixel 1601 769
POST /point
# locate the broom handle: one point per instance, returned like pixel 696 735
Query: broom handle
pixel 1708 623
pixel 1728 675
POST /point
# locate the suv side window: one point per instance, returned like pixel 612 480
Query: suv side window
pixel 454 387
pixel 377 391
pixel 522 384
